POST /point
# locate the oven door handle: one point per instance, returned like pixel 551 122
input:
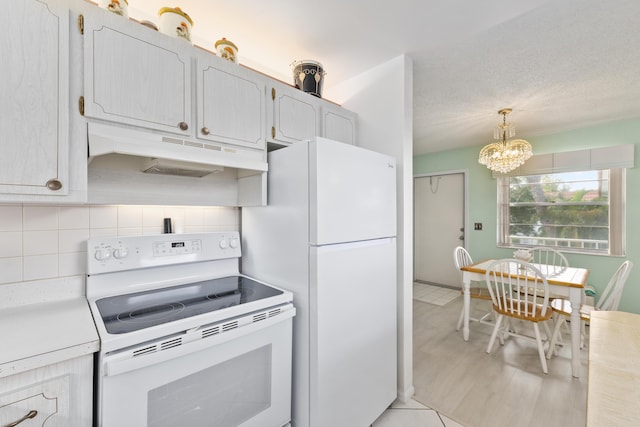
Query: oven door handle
pixel 125 361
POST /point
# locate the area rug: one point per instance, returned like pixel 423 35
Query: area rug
pixel 434 294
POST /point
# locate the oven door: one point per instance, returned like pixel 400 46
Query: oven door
pixel 237 377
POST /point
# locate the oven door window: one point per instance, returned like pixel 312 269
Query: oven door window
pixel 226 394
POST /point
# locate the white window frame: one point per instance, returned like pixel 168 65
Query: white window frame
pixel 617 216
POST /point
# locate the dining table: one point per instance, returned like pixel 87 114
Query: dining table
pixel 567 282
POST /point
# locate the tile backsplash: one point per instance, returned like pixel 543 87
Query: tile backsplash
pixel 44 241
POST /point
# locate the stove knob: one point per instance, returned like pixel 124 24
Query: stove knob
pixel 102 254
pixel 224 244
pixel 233 243
pixel 120 253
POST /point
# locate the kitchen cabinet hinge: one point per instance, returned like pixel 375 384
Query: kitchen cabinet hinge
pixel 81 24
pixel 273 132
pixel 273 93
pixel 81 105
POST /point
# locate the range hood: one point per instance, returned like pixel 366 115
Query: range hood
pixel 179 168
pixel 173 154
pixel 134 166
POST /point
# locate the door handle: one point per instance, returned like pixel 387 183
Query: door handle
pixel 31 414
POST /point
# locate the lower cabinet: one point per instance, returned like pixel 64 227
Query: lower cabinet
pixel 58 395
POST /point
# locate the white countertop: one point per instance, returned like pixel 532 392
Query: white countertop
pixel 44 332
pixel 613 388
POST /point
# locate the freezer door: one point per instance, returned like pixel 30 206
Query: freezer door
pixel 352 193
pixel 353 332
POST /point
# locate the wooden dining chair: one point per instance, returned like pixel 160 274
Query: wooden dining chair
pixel 549 261
pixel 609 300
pixel 505 279
pixel 461 258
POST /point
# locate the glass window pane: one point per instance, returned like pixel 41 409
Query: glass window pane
pixel 569 210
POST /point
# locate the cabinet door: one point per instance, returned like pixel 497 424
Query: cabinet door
pixel 295 115
pixel 231 105
pixel 134 75
pixel 339 124
pixel 34 89
pixel 46 403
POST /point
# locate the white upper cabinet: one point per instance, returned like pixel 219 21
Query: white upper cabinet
pixel 134 75
pixel 230 103
pixel 34 89
pixel 293 115
pixel 339 124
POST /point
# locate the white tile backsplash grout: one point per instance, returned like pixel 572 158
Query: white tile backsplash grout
pixel 48 241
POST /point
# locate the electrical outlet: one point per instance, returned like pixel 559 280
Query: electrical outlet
pixel 477 226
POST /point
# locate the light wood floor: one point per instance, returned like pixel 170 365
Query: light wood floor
pixel 505 388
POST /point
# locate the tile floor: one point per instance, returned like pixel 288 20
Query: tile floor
pixel 413 414
pixel 434 294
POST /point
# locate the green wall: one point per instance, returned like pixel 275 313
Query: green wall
pixel 482 194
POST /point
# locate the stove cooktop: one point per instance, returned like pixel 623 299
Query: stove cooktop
pixel 131 312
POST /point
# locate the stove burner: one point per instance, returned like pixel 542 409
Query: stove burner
pixel 151 314
pixel 131 312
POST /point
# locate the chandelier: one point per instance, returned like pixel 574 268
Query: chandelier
pixel 505 156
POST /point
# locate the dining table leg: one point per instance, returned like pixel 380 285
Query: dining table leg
pixel 575 298
pixel 466 284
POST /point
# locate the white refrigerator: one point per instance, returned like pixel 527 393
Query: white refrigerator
pixel 328 235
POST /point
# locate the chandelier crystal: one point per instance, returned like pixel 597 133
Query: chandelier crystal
pixel 505 156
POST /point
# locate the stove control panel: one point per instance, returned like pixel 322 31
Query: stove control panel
pixel 177 247
pixel 110 254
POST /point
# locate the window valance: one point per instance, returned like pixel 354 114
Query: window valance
pixel 618 156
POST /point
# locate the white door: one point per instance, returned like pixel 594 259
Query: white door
pixel 135 76
pixel 353 193
pixel 292 115
pixel 231 104
pixel 34 90
pixel 439 227
pixel 353 329
pixel 339 124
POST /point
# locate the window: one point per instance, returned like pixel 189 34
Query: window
pixel 579 211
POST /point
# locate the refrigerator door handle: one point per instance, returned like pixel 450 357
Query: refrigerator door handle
pixel 354 245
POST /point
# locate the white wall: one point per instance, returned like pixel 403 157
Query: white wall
pixel 382 97
pixel 40 242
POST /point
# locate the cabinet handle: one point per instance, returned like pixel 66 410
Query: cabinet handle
pixel 183 125
pixel 54 184
pixel 205 131
pixel 31 414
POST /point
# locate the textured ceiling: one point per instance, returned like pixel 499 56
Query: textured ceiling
pixel 560 64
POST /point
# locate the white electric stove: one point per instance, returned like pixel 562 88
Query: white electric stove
pixel 185 338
